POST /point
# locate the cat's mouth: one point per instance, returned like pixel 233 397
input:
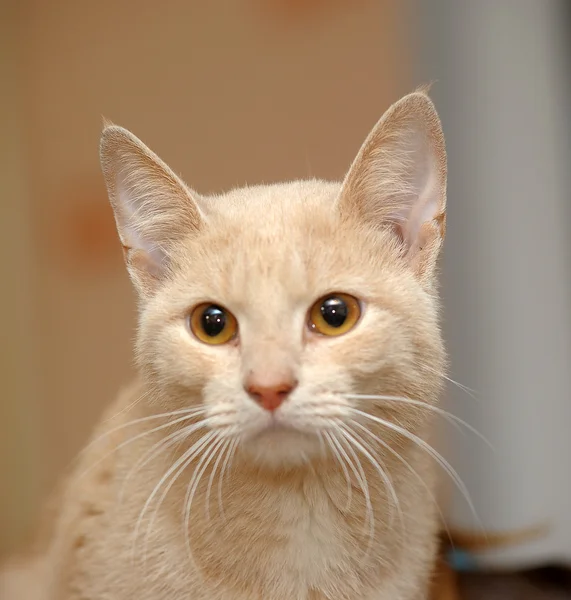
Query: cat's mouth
pixel 276 426
pixel 279 440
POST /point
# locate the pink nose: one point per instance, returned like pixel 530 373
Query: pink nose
pixel 270 397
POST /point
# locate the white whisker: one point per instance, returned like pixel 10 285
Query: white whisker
pixel 392 451
pixel 359 473
pixel 211 478
pixel 159 447
pixel 225 467
pixel 135 438
pixel 451 418
pixel 337 455
pixel 173 413
pixel 203 463
pixel 322 444
pixel 184 460
pixel 444 464
pixel 144 396
pixel 469 391
pixel 351 436
pixel 357 470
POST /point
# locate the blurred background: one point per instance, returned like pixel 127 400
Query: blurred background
pixel 245 91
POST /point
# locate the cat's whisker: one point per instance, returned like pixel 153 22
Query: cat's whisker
pixel 173 413
pixel 225 467
pixel 374 453
pixel 188 457
pixel 400 458
pixel 322 444
pixel 356 441
pixel 342 464
pixel 159 448
pixel 207 456
pixel 201 448
pixel 369 517
pixel 131 440
pixel 181 464
pixel 211 478
pixel 359 473
pixel 450 417
pixel 469 391
pixel 139 436
pixel 144 396
pixel 109 432
pixel 436 456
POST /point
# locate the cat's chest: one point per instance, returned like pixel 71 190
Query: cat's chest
pixel 311 540
pixel 293 540
pixel 314 537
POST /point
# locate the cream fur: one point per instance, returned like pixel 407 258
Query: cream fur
pixel 267 253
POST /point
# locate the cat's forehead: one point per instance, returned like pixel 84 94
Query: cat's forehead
pixel 266 227
pixel 283 240
pixel 274 206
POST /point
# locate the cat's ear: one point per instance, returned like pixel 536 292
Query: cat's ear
pixel 398 180
pixel 154 209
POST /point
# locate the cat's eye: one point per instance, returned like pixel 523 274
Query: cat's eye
pixel 335 314
pixel 213 324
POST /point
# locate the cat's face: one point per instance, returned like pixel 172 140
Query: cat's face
pixel 274 308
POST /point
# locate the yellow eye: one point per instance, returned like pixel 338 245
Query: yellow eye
pixel 335 314
pixel 212 324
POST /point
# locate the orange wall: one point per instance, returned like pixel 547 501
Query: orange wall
pixel 227 92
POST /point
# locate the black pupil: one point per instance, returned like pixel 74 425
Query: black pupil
pixel 213 321
pixel 334 311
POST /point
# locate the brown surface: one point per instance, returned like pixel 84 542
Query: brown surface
pixel 548 583
pixel 445 583
pixel 551 583
pixel 227 95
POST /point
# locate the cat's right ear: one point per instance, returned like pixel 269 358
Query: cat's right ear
pixel 154 209
pixel 398 181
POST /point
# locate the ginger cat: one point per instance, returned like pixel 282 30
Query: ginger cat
pixel 276 443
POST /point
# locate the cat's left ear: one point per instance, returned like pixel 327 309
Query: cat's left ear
pixel 154 209
pixel 398 180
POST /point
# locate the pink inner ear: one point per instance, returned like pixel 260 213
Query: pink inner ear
pixel 131 231
pixel 422 204
pixel 144 262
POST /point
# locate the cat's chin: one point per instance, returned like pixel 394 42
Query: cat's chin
pixel 280 446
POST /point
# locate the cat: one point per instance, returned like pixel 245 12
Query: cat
pixel 276 443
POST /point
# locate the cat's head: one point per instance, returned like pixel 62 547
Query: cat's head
pixel 273 308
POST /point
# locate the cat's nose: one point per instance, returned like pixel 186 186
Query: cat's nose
pixel 270 395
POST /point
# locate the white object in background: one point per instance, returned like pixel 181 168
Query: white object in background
pixel 502 74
